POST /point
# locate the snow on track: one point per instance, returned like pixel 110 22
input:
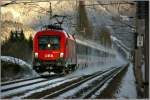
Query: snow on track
pixel 53 84
pixel 75 90
pixel 6 87
pixel 36 86
pixel 128 86
pixel 15 60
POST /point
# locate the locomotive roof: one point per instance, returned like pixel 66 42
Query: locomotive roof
pixel 42 32
pixel 57 31
pixel 53 27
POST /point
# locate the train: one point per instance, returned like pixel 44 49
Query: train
pixel 55 50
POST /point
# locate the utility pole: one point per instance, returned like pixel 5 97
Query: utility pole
pixel 50 12
pixel 141 46
pixel 146 85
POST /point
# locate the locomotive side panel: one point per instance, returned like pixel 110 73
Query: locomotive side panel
pixel 70 47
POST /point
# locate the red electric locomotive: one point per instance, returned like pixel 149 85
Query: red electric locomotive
pixel 54 50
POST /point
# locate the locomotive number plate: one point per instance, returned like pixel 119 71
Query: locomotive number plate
pixel 49 55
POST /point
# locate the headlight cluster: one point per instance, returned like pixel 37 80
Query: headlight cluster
pixel 61 54
pixel 36 54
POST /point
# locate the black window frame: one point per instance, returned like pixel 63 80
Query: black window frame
pixel 50 36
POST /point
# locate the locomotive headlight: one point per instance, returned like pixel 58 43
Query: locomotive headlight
pixel 49 45
pixel 36 55
pixel 61 54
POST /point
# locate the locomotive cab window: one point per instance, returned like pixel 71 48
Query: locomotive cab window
pixel 49 42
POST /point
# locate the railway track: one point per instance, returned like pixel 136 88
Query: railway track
pixel 83 90
pixel 18 80
pixel 72 85
pixel 17 87
pixel 60 87
pixel 27 79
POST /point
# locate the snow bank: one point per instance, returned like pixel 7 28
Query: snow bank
pixel 121 45
pixel 128 87
pixel 10 71
pixel 120 42
pixel 16 61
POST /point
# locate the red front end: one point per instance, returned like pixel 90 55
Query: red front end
pixel 49 50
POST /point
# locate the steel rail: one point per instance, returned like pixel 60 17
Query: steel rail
pixel 73 85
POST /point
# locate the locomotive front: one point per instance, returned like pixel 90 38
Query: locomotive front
pixel 48 51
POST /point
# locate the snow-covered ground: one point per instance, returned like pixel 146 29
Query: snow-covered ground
pixel 98 16
pixel 15 60
pixel 107 63
pixel 48 84
pixel 119 41
pixel 25 72
pixel 82 86
pixel 127 88
pixel 143 71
